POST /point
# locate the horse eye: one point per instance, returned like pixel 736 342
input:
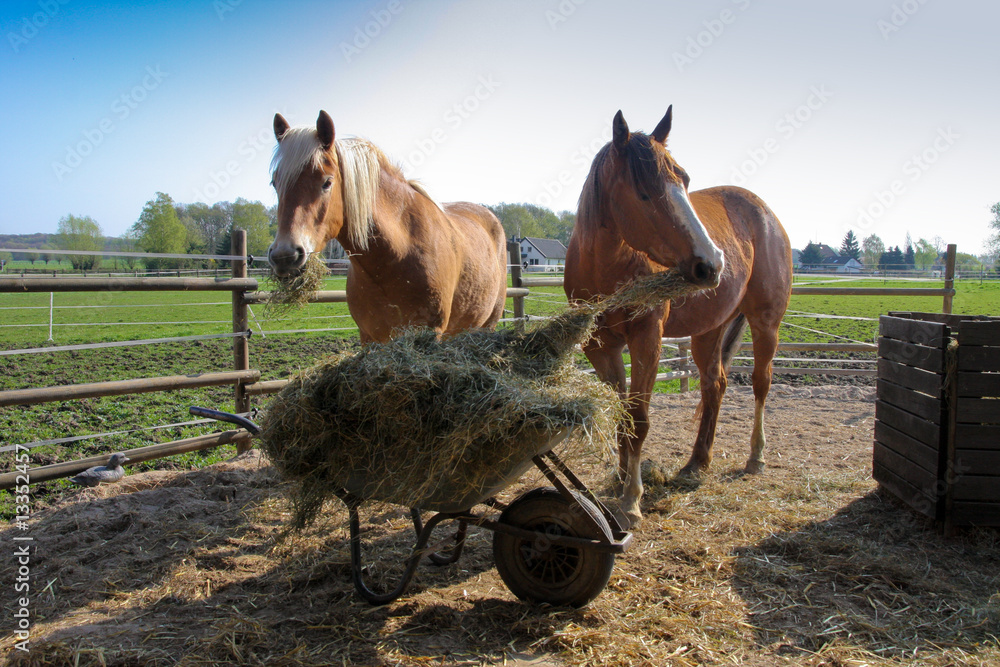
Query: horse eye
pixel 643 197
pixel 328 183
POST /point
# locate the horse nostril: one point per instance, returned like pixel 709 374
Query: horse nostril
pixel 300 254
pixel 704 272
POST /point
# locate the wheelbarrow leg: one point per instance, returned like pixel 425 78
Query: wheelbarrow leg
pixel 357 565
pixel 452 553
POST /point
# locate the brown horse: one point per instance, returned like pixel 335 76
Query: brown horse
pixel 636 218
pixel 412 262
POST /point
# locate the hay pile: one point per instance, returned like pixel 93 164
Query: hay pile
pixel 290 292
pixel 442 424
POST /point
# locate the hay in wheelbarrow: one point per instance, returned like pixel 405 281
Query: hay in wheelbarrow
pixel 444 424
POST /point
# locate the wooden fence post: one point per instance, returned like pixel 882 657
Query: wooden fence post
pixel 241 322
pixel 949 278
pixel 514 250
pixel 685 359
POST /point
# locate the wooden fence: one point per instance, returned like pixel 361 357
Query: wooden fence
pixel 247 383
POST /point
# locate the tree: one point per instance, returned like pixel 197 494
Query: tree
pixel 252 216
pixel 925 254
pixel 993 240
pixel 849 246
pixel 871 251
pixel 892 260
pixel 909 257
pixel 522 220
pixel 811 255
pixel 160 230
pixel 80 233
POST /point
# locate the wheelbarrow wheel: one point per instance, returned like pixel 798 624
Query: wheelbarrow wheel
pixel 536 570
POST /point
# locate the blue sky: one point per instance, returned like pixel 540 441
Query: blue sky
pixel 872 115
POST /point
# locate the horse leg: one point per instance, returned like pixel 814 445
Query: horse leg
pixel 606 358
pixel 765 343
pixel 644 349
pixel 706 350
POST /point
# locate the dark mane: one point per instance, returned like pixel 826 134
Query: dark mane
pixel 647 168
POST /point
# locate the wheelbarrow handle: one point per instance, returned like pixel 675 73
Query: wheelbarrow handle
pixel 221 416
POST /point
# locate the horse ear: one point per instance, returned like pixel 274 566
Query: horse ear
pixel 663 128
pixel 324 128
pixel 280 126
pixel 619 131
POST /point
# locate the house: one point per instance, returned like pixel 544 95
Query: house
pixel 542 254
pixel 827 254
pixel 845 265
pixel 796 258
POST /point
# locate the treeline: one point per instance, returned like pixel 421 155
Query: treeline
pixel 166 226
pixel 536 221
pixel 873 254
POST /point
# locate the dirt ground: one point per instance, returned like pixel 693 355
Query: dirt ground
pixel 805 564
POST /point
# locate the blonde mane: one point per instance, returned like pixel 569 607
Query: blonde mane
pixel 360 165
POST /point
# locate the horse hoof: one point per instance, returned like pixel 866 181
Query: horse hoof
pixel 633 519
pixel 755 467
pixel 691 472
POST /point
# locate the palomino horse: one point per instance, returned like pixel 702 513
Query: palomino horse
pixel 412 262
pixel 636 218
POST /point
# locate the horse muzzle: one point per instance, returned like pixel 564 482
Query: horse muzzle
pixel 704 271
pixel 287 261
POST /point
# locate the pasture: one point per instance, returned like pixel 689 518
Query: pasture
pixel 806 564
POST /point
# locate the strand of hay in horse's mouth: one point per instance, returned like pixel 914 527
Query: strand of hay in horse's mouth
pixel 288 293
pixel 430 423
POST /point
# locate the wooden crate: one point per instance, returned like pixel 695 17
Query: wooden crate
pixel 937 417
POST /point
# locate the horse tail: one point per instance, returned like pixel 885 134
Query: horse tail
pixel 730 346
pixel 732 340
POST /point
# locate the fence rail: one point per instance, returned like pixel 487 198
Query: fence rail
pixel 247 382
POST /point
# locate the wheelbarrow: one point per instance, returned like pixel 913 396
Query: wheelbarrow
pixel 554 545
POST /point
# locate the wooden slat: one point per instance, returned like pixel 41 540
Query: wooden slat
pixel 913 426
pixel 975 514
pixel 907 469
pixel 979 461
pixel 137 455
pixel 930 334
pixel 908 376
pixel 905 491
pixel 78 284
pixel 977 488
pixel 923 455
pixel 783 370
pixel 977 358
pixel 979 411
pixel 919 404
pixel 122 387
pixel 927 358
pixel 978 384
pixel 873 291
pixel 979 333
pixel 977 436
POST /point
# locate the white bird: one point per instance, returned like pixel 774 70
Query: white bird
pixel 106 474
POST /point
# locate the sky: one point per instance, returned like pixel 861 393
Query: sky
pixel 878 116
